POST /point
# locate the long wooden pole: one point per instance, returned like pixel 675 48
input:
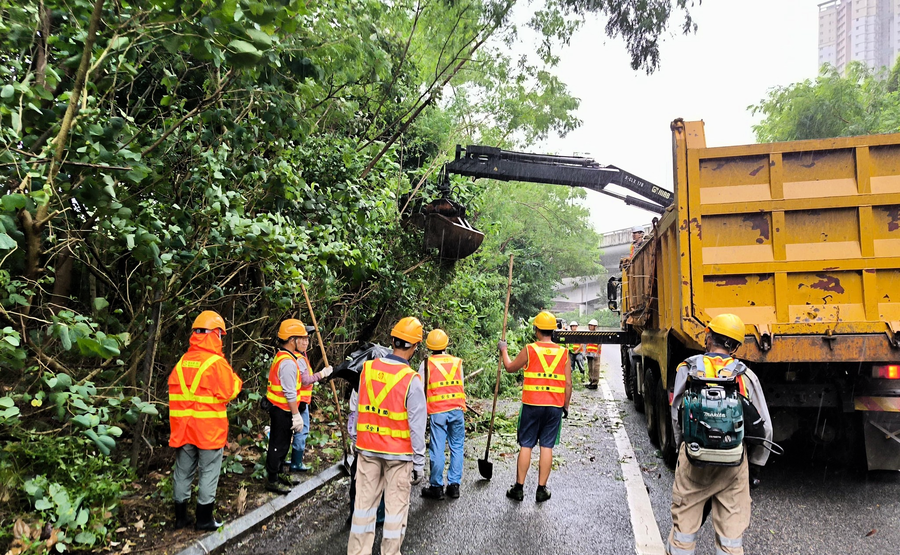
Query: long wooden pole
pixel 500 362
pixel 337 401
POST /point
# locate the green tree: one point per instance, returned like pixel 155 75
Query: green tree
pixel 860 102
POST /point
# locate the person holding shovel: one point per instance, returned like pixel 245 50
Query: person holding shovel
pixel 443 377
pixel 546 392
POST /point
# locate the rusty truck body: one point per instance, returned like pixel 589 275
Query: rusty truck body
pixel 802 241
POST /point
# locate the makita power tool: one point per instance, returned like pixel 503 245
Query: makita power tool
pixel 712 420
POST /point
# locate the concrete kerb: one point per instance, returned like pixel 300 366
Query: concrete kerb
pixel 232 531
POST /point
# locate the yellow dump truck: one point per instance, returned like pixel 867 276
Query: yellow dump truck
pixel 802 241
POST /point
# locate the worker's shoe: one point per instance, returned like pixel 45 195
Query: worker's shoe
pixel 516 493
pixel 277 486
pixel 590 386
pixel 181 515
pixel 433 492
pixel 297 464
pixel 542 494
pixel 288 480
pixel 453 491
pixel 205 520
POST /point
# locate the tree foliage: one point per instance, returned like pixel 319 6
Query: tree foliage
pixel 859 102
pixel 158 158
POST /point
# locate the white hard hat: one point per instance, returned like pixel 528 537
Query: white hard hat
pixel 593 323
pixel 573 323
pixel 637 229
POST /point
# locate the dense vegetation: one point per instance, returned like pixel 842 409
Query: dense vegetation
pixel 859 102
pixel 158 158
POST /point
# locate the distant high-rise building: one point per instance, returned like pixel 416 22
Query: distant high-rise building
pixel 859 30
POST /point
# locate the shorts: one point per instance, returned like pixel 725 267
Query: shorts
pixel 539 424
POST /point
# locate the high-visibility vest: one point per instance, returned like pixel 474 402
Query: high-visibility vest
pixel 576 348
pixel 200 386
pixel 444 391
pixel 712 365
pixel 593 349
pixel 383 425
pixel 275 391
pixel 304 392
pixel 545 375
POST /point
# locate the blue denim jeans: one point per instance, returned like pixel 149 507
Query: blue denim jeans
pixel 446 427
pixel 299 442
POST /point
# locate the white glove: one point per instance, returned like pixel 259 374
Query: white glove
pixel 325 372
pixel 296 422
pixel 416 478
pixel 501 345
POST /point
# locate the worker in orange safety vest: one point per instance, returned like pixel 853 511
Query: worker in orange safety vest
pixel 546 391
pixel 442 374
pixel 389 441
pixel 288 403
pixel 200 386
pixel 593 359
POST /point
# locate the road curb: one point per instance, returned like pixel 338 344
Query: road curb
pixel 214 542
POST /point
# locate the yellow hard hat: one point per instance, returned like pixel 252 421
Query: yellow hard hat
pixel 209 320
pixel 291 328
pixel 728 325
pixel 545 321
pixel 408 329
pixel 437 340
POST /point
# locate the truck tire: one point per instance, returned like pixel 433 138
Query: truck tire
pixel 627 371
pixel 651 408
pixel 637 396
pixel 666 434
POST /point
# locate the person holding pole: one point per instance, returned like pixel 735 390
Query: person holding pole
pixel 546 392
pixel 443 377
pixel 287 405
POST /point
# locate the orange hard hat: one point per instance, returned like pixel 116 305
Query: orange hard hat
pixel 291 328
pixel 209 320
pixel 408 329
pixel 545 321
pixel 437 340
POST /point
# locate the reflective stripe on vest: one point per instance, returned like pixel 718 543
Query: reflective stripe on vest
pixel 275 392
pixel 445 384
pixel 719 367
pixel 304 392
pixel 383 425
pixel 186 403
pixel 593 349
pixel 545 375
pixel 576 347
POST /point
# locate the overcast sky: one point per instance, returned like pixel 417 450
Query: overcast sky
pixel 741 49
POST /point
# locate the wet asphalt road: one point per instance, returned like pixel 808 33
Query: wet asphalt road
pixel 802 507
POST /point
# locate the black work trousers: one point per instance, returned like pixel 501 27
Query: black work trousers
pixel 280 435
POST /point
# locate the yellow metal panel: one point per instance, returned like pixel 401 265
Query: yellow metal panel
pixel 885 169
pixel 866 231
pixel 863 167
pixel 887 292
pixel 779 235
pixel 870 293
pixel 825 297
pixel 730 180
pixel 776 175
pixel 849 201
pixel 781 296
pixel 824 265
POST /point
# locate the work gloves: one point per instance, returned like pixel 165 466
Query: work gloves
pixel 325 372
pixel 565 412
pixel 416 478
pixel 296 422
pixel 501 345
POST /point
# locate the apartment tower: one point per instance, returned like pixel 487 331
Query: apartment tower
pixel 859 30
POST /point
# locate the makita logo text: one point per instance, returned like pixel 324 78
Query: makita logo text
pixel 714 414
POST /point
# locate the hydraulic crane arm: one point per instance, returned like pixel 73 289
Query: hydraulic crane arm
pixel 505 165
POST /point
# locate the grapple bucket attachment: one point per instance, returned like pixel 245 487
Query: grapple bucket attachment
pixel 453 237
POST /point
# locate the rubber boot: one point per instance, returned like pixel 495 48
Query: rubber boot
pixel 297 462
pixel 276 486
pixel 181 515
pixel 205 520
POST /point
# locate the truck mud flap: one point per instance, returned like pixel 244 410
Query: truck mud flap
pixel 882 436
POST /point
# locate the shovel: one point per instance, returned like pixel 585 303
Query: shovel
pixel 485 467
